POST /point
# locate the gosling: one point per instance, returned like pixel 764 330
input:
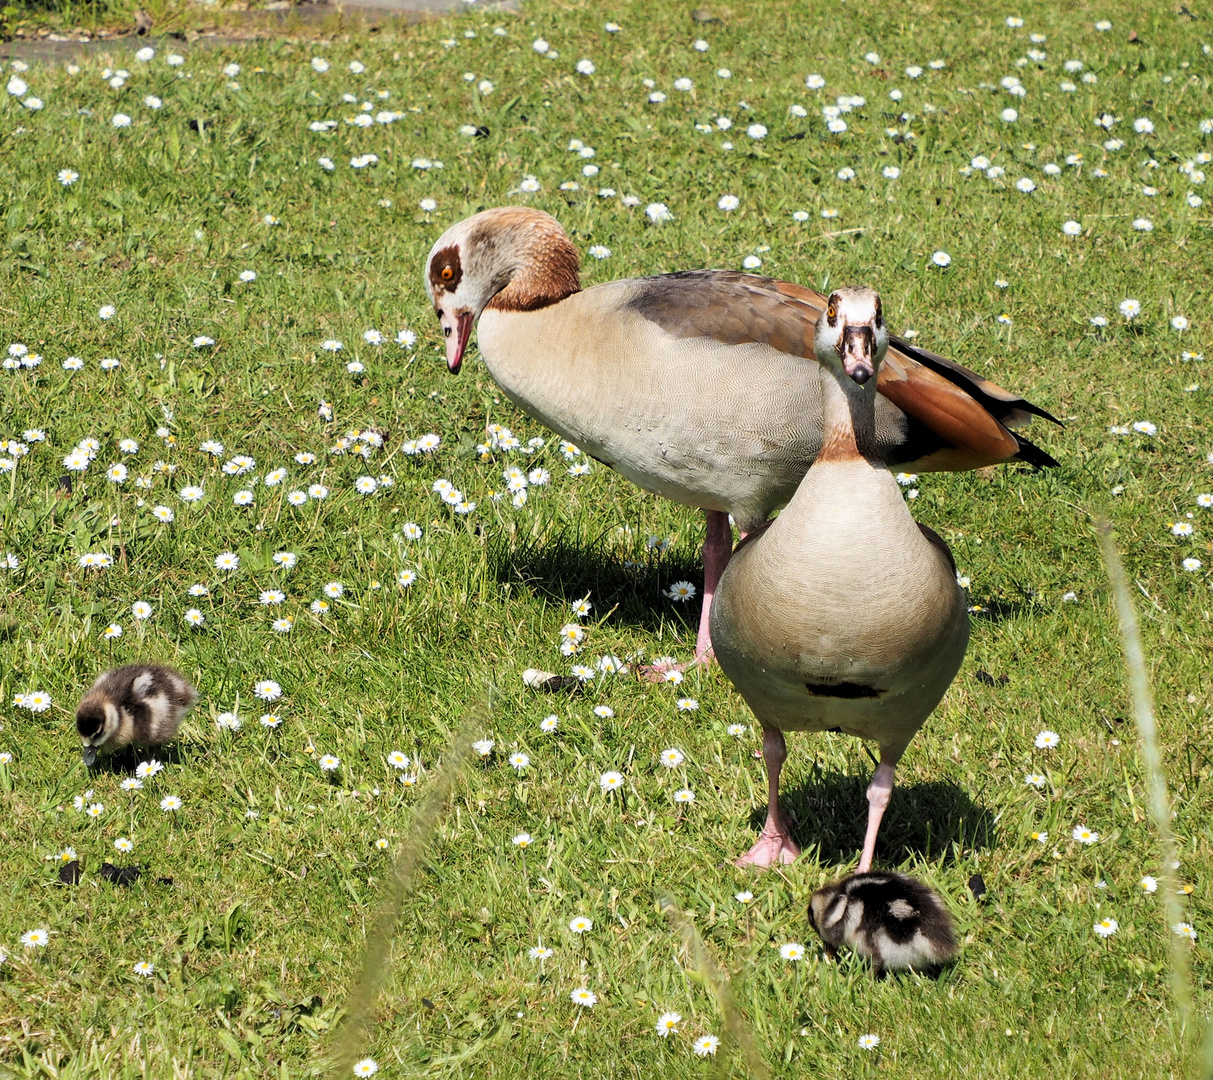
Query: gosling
pixel 139 705
pixel 896 922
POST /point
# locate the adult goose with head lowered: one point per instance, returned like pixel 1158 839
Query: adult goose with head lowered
pixel 702 385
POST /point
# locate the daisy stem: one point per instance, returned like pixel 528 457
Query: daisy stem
pixel 121 543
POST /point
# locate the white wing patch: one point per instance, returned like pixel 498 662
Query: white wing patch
pixel 837 910
pixel 918 952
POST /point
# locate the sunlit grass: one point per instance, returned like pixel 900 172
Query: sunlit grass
pixel 261 934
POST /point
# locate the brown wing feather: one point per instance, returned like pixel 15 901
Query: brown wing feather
pixel 957 417
pixel 732 308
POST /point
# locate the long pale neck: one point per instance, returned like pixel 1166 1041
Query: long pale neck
pixel 849 418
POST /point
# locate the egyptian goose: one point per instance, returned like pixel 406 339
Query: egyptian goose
pixel 896 922
pixel 140 705
pixel 693 385
pixel 844 613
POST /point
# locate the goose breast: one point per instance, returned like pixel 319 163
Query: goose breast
pixel 853 620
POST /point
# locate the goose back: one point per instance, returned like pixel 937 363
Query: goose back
pixel 703 388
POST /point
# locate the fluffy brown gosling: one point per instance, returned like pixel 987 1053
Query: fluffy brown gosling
pixel 896 922
pixel 136 705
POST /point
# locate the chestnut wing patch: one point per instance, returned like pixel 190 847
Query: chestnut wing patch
pixel 951 417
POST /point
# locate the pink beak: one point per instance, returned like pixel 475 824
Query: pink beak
pixel 457 328
pixel 857 358
pixel 859 368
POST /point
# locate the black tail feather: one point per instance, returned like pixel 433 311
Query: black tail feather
pixel 1032 454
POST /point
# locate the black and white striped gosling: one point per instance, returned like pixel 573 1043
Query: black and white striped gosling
pixel 140 704
pixel 893 920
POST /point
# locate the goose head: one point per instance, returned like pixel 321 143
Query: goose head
pixel 851 335
pixel 96 721
pixel 511 258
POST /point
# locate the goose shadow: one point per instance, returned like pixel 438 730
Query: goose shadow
pixel 566 567
pixel 935 821
pixel 996 609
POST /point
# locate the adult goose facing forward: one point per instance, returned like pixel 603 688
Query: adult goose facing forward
pixel 844 614
pixel 701 386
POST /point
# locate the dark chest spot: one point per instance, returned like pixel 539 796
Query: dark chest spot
pixel 847 690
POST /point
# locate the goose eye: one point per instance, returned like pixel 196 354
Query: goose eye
pixel 831 313
pixel 447 273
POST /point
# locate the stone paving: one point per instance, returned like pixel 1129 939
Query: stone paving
pixel 276 20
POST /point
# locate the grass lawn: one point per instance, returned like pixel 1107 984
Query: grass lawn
pixel 258 893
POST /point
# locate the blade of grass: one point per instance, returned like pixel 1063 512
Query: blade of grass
pixel 1142 697
pixel 734 1023
pixel 365 991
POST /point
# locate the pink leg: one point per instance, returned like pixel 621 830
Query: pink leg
pixel 775 844
pixel 879 792
pixel 717 550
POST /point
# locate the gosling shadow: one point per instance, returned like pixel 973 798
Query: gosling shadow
pixel 568 566
pixel 934 821
pixel 125 761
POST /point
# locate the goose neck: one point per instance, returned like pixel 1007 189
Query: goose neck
pixel 849 418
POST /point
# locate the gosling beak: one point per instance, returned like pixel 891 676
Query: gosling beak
pixel 89 753
pixel 858 352
pixel 456 328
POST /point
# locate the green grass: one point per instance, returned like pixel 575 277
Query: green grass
pixel 260 936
